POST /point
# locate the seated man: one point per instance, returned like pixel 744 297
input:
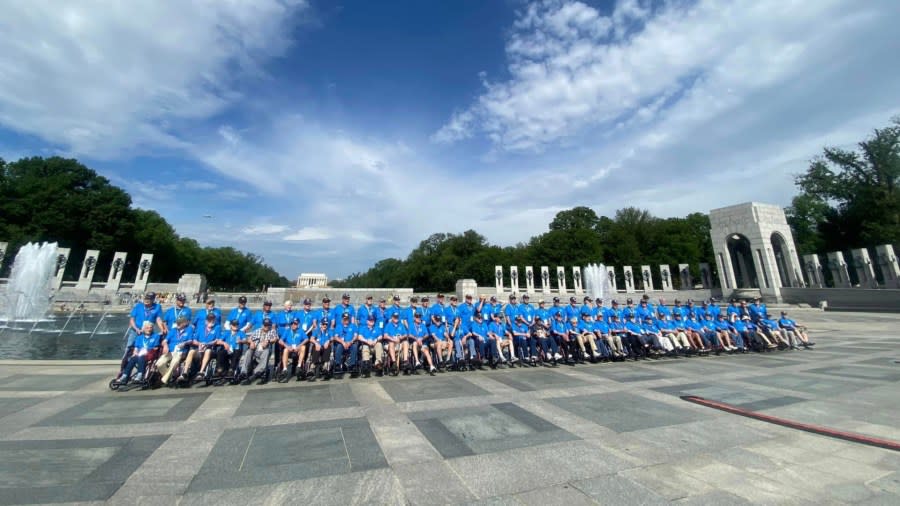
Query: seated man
pixel 457 339
pixel 146 342
pixel 418 333
pixel 208 336
pixel 236 340
pixel 617 332
pixel 292 343
pixel 342 335
pixel 611 343
pixel 559 332
pixel 394 332
pixel 255 360
pixel 319 348
pixel 770 328
pixel 540 336
pixel 177 346
pixel 693 330
pixel 740 333
pixel 366 344
pixel 725 331
pixel 710 333
pixel 661 343
pixel 148 311
pixel 521 333
pixel 496 339
pixel 477 341
pixel 438 340
pixel 585 337
pixel 798 331
pixel 223 346
pixel 640 347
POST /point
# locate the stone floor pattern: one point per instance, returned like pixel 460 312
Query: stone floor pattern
pixel 593 434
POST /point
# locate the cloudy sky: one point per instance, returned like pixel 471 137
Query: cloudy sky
pixel 325 136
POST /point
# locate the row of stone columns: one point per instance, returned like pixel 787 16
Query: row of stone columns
pixel 88 268
pixel 862 263
pixel 630 277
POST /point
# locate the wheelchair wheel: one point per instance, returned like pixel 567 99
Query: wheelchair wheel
pixel 114 384
pixel 283 376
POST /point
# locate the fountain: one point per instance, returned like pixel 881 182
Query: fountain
pixel 28 290
pixel 596 281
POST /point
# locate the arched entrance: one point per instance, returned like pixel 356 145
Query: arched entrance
pixel 742 261
pixel 780 250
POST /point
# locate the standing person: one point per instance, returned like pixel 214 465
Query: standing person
pixel 147 311
pixel 381 316
pixel 362 314
pixel 467 311
pixel 284 317
pixel 307 317
pixel 408 313
pixel 451 312
pixel 345 308
pixel 438 309
pixel 526 310
pixel 200 316
pixel 262 314
pixel 487 308
pixel 175 312
pixel 242 314
pixel 325 312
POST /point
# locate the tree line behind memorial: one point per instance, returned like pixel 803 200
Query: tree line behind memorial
pixel 61 200
pixel 848 199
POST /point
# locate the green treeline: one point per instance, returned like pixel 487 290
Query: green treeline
pixel 61 200
pixel 576 237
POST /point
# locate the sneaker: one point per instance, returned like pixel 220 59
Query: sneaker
pixel 514 360
pixel 595 354
pixel 122 379
pixel 139 377
pixel 557 356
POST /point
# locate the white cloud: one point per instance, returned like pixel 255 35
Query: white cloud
pixel 264 229
pixel 102 78
pixel 308 234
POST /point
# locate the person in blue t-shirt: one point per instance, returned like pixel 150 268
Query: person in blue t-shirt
pixel 799 332
pixel 242 314
pixel 365 344
pixel 236 340
pixel 417 332
pixel 148 311
pixel 572 310
pixel 394 333
pixel 438 309
pixel 643 311
pixel 283 318
pixel 487 308
pixel 208 336
pixel 725 332
pixel 605 346
pixel 292 341
pixel 521 334
pixel 307 316
pixel 476 340
pixel 756 310
pixel 458 337
pixel 319 348
pixel 467 311
pixel 345 307
pixel 175 348
pixel 176 311
pixel 559 331
pixel 364 310
pixel 262 314
pixel 146 342
pixel 555 309
pixel 438 333
pixel 526 310
pixel 381 316
pixel 740 332
pixel 451 312
pixel 200 316
pixel 341 337
pixel 326 312
pixel 640 348
pixel 407 315
pixel 542 312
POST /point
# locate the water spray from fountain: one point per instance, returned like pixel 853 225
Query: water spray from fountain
pixel 28 290
pixel 597 282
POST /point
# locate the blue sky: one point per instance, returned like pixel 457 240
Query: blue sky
pixel 325 136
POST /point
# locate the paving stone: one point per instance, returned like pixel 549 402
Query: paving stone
pixel 9 406
pixel 48 382
pixel 272 454
pixel 615 489
pixel 69 470
pixel 624 412
pixel 431 482
pixel 858 372
pixel 529 380
pixel 567 494
pixel 623 375
pixel 298 399
pixel 378 486
pixel 115 410
pixel 486 429
pixel 420 388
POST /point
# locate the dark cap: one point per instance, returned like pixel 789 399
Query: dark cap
pixel 181 297
pixel 417 315
pixel 211 316
pixel 587 299
pixel 396 297
pixel 234 323
pixel 453 297
pixel 425 299
pixel 512 296
pixel 345 315
pixel 614 302
pixel 345 296
pixel 477 315
pixel 493 298
pixel 555 299
pixel 150 296
pixel 324 321
pixel 368 297
pixel 440 296
pixel 267 321
pixel 211 302
pixel 325 299
pixel 395 315
pixel 526 296
pixel 307 302
pixel 468 295
pixel 242 300
pixel 573 299
pixel 295 321
pixel 267 303
pixel 382 300
pixel 371 317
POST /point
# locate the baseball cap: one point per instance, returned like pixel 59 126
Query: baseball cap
pixel 267 321
pixel 468 295
pixel 345 296
pixel 371 317
pixel 573 299
pixel 181 297
pixel 512 296
pixel 210 302
pixel 396 297
pixel 453 297
pixel 234 323
pixel 150 296
pixel 440 296
pixel 493 298
pixel 368 297
pixel 555 299
pixel 211 316
pixel 425 299
pixel 295 321
pixel 242 300
pixel 326 299
pixel 395 315
pixel 586 299
pixel 417 315
pixel 382 300
pixel 526 296
pixel 307 302
pixel 267 303
pixel 345 315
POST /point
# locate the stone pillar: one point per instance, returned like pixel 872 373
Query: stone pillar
pixel 705 276
pixel 889 268
pixel 88 267
pixel 191 284
pixel 561 279
pixel 838 268
pixel 529 279
pixel 665 277
pixel 143 273
pixel 3 247
pixel 545 279
pixel 864 269
pixel 498 278
pixel 62 258
pixel 684 273
pixel 813 270
pixel 466 287
pixel 611 274
pixel 514 279
pixel 629 279
pixel 576 278
pixel 647 278
pixel 116 268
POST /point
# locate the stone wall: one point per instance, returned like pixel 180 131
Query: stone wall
pixel 357 295
pixel 846 299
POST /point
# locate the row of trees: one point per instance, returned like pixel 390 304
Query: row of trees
pixel 576 237
pixel 61 200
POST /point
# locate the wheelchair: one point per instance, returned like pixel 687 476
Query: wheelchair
pixel 150 379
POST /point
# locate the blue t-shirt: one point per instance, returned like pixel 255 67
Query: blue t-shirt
pixel 520 327
pixel 787 323
pixel 438 330
pixel 321 336
pixel 394 330
pixel 450 314
pixel 602 327
pixel 362 314
pixel 145 342
pixel 585 326
pixel 418 330
pixel 200 316
pixel 496 328
pixel 338 312
pixel 527 312
pixel 177 336
pixel 479 329
pixel 307 320
pixel 207 335
pixel 242 315
pixel 345 333
pixel 142 313
pixel 292 337
pixel 259 316
pixel 172 315
pixel 232 338
pixel 572 311
pixel 369 334
pixel 437 309
pixel 558 328
pixel 283 319
pixel 467 312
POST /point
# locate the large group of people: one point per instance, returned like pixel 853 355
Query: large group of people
pixel 182 345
